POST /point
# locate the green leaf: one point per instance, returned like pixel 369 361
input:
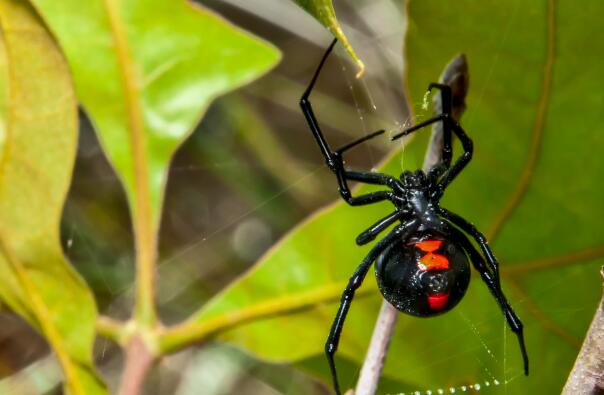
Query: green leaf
pixel 534 112
pixel 323 11
pixel 145 73
pixel 39 139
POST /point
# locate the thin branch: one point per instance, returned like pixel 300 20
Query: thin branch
pixel 376 353
pixel 174 338
pixel 139 359
pixel 455 75
pixel 587 376
pixel 111 329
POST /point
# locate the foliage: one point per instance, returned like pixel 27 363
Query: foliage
pixel 39 137
pixel 324 12
pixel 145 74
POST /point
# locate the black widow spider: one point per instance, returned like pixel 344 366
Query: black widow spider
pixel 421 265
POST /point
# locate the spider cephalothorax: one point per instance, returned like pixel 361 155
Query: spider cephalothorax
pixel 422 265
pixel 414 179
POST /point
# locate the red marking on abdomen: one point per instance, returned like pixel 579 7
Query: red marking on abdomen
pixel 434 261
pixel 429 245
pixel 431 261
pixel 438 301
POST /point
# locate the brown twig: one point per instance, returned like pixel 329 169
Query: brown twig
pixel 376 353
pixel 587 376
pixel 455 75
pixel 139 359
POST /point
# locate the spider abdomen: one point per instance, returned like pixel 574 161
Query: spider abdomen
pixel 423 276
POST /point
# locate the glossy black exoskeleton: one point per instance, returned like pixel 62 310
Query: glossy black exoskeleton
pixel 408 281
pixel 422 264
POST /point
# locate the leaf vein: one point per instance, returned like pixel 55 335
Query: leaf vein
pixel 534 150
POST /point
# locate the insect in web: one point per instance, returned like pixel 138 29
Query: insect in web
pixel 422 265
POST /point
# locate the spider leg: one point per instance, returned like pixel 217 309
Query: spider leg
pixel 372 178
pixel 312 119
pixel 308 111
pixel 446 100
pixel 343 176
pixel 359 141
pixel 464 159
pixel 447 119
pixel 447 151
pixel 334 159
pixel 368 198
pixel 495 288
pixel 442 117
pixel 371 233
pixel 470 229
pixel 331 346
pixel 446 116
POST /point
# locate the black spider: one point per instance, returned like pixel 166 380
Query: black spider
pixel 422 264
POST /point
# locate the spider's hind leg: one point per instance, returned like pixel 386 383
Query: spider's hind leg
pixel 331 346
pixel 490 276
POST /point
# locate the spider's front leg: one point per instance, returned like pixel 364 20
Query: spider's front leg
pixel 309 113
pixel 343 175
pixel 446 116
pixel 334 158
pixel 331 346
pixel 462 161
pixel 449 125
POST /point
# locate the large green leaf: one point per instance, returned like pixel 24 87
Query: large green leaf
pixel 39 138
pixel 534 112
pixel 324 12
pixel 145 73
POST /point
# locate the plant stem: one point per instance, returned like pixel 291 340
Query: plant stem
pixel 144 223
pixel 376 354
pixel 176 337
pixel 139 360
pixel 111 329
pixel 455 75
pixel 587 376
